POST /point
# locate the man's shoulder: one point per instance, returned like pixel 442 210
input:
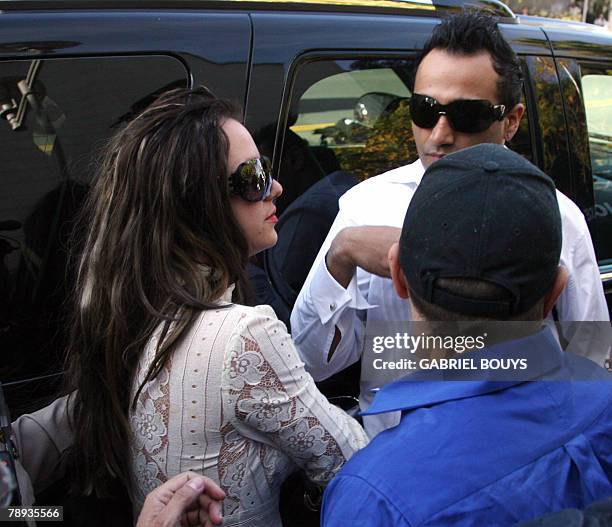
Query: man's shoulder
pixel 382 199
pixel 391 468
pixel 386 181
pixel 572 218
pixel 352 500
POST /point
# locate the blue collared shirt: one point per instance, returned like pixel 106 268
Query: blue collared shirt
pixel 482 452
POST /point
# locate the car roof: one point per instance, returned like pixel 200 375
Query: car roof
pixel 432 8
pixel 558 23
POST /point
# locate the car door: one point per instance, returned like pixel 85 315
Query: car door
pixel 68 80
pixel 584 64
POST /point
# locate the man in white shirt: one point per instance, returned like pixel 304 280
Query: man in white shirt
pixel 467 91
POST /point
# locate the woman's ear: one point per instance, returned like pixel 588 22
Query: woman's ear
pixel 556 289
pixel 397 275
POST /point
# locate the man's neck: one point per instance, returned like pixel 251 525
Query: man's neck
pixel 470 336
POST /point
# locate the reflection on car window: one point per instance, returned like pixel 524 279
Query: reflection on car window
pixel 550 122
pixel 348 121
pixel 346 112
pixel 55 116
pixel 597 93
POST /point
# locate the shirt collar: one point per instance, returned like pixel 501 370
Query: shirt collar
pixel 412 173
pixel 541 350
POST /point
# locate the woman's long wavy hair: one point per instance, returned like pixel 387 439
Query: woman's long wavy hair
pixel 159 212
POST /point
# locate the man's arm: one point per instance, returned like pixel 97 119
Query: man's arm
pixel 325 322
pixel 328 316
pixel 366 247
pixel 325 307
pixel 583 300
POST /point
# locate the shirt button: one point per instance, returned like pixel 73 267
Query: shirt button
pixel 332 306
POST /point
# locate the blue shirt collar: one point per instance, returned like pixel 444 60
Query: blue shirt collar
pixel 541 351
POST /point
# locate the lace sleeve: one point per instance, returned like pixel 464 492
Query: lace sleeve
pixel 270 393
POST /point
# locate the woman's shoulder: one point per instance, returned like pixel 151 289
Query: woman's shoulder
pixel 235 314
pixel 237 321
pixel 239 315
pixel 256 331
pixel 258 322
pixel 255 312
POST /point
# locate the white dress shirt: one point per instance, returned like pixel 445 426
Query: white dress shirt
pixel 383 200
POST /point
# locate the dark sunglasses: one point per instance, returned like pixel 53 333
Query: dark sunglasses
pixel 252 180
pixel 466 116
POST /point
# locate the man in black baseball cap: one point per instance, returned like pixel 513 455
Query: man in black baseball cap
pixel 482 238
pixel 481 241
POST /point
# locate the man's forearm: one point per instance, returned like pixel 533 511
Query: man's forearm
pixel 338 259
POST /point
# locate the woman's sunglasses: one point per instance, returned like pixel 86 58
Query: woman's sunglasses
pixel 252 180
pixel 466 116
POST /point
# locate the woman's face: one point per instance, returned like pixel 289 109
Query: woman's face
pixel 256 219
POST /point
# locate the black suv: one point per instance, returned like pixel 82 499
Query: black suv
pixel 323 85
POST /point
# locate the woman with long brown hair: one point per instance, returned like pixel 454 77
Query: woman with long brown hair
pixel 171 371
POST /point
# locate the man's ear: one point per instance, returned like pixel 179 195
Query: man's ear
pixel 556 289
pixel 512 120
pixel 397 275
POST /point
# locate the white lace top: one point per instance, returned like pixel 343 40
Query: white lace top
pixel 235 404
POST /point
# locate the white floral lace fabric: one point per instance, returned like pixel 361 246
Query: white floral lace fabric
pixel 236 405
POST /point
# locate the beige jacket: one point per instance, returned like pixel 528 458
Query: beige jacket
pixel 41 439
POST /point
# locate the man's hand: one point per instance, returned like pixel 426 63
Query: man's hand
pixel 187 499
pixel 365 247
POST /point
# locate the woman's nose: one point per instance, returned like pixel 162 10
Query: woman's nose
pixel 277 189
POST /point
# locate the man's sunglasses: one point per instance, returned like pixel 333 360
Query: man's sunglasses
pixel 252 180
pixel 466 116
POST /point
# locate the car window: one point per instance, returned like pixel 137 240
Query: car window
pixel 346 113
pixel 55 116
pixel 347 121
pixel 597 94
pixel 549 122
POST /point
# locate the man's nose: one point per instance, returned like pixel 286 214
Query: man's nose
pixel 442 133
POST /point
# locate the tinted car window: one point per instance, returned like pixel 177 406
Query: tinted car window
pixel 346 114
pixel 348 120
pixel 549 122
pixel 50 138
pixel 596 91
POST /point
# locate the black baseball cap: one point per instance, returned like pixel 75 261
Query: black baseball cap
pixel 482 213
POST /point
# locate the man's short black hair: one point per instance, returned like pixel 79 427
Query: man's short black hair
pixel 471 32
